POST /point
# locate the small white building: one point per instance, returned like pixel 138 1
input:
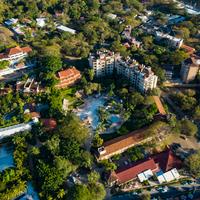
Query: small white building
pixel 169 176
pixel 18 30
pixel 66 29
pixel 11 21
pixel 144 176
pixel 41 22
pixel 112 16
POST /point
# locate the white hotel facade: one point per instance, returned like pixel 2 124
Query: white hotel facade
pixel 141 77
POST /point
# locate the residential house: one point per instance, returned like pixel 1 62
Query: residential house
pixel 49 124
pixel 173 42
pixel 11 21
pixel 120 144
pixel 126 34
pixel 190 68
pixel 68 77
pixel 175 19
pixel 188 49
pixel 16 53
pixel 142 170
pixel 66 29
pixel 41 22
pixel 28 86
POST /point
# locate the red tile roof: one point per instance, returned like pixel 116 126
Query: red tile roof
pixel 164 161
pixel 26 49
pixel 68 77
pixel 34 114
pixel 127 174
pixel 68 73
pixel 49 124
pixel 189 49
pixel 167 160
pixel 13 51
pixel 16 50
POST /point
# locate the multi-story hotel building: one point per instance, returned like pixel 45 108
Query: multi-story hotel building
pixel 140 76
pixel 190 68
pixel 68 77
pixel 102 62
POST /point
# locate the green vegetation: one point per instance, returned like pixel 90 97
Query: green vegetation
pixel 61 154
pixel 13 180
pixel 188 128
pixel 51 159
pixel 12 105
pixel 135 153
pixel 141 110
pixel 4 64
pixel 193 164
pixel 186 100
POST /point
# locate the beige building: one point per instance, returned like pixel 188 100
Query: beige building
pixel 141 77
pixel 190 68
pixel 103 62
pixel 122 143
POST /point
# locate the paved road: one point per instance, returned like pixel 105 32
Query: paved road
pixel 177 110
pixel 173 191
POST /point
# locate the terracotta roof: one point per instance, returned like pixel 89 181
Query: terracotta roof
pixel 26 49
pixel 122 142
pixel 164 161
pixel 16 50
pixel 189 49
pixel 125 175
pixel 68 73
pixel 159 105
pixel 34 114
pixel 167 160
pixel 68 77
pixel 49 124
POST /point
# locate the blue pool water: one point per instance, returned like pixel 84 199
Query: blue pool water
pixel 30 193
pixel 115 119
pixel 6 161
pixel 6 157
pixel 89 110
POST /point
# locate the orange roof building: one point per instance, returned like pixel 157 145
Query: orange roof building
pixel 68 77
pixel 127 174
pixel 188 49
pixel 49 124
pixel 122 143
pixel 163 161
pixel 15 53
